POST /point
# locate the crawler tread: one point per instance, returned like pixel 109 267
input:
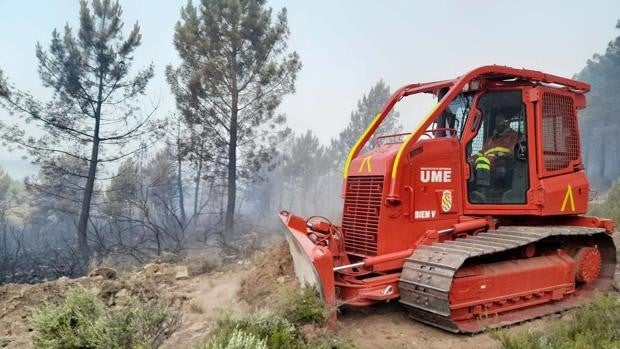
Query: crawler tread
pixel 427 274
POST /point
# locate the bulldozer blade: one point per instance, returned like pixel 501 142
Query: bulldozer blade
pixel 313 264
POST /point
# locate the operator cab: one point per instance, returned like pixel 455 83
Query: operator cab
pixel 498 141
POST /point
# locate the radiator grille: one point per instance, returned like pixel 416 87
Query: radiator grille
pixel 559 131
pixel 360 220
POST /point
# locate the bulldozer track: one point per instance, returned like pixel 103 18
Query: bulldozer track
pixel 427 274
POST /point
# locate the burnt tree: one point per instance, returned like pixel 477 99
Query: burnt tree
pixel 93 106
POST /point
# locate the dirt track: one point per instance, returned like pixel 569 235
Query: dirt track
pixel 209 296
pixel 255 286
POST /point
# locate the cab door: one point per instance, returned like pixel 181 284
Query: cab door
pixel 497 164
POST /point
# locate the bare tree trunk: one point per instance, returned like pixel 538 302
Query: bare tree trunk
pixel 232 174
pixel 88 194
pixel 85 209
pixel 180 190
pixel 180 182
pixel 179 175
pixel 198 176
pixel 158 239
pixel 82 227
pixel 232 154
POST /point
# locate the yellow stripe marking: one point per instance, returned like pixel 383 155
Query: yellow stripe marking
pixel 568 195
pixel 367 162
pixel 357 144
pixel 406 142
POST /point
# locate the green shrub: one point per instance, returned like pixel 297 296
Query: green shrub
pixel 271 330
pixel 304 307
pixel 523 340
pixel 275 331
pixel 136 325
pixel 83 322
pixel 610 208
pixel 280 330
pixel 71 325
pixel 238 340
pixel 596 325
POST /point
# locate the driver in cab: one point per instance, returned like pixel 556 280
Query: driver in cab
pixel 499 145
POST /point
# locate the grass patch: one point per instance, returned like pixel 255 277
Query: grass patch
pixel 84 322
pixel 304 307
pixel 596 325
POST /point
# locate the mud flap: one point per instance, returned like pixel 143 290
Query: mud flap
pixel 313 264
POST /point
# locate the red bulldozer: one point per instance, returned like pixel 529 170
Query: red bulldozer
pixel 476 218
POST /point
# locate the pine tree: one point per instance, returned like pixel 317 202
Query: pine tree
pixel 123 190
pixel 93 106
pixel 234 73
pixel 367 108
pixel 303 166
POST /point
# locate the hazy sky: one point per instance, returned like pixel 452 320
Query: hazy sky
pixel 345 46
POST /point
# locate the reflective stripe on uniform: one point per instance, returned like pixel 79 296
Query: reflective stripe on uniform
pixel 483 166
pixel 482 159
pixel 497 150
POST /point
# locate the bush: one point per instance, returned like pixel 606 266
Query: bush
pixel 83 322
pixel 597 325
pixel 304 307
pixel 280 330
pixel 238 340
pixel 70 325
pixel 610 208
pixel 137 325
pixel 275 331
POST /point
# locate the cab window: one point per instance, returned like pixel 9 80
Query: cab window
pixel 497 155
pixel 452 120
